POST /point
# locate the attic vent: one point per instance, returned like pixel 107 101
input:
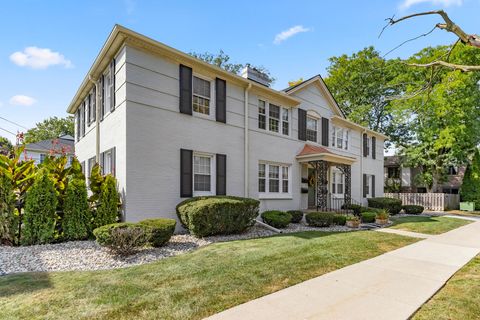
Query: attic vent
pixel 253 74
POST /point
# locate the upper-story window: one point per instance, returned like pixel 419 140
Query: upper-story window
pixel 278 118
pixel 369 143
pixel 340 137
pixel 201 95
pixel 107 84
pixel 311 129
pixel 452 171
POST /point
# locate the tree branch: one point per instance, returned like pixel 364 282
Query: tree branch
pixel 464 68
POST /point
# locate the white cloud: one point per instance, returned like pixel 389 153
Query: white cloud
pixel 284 35
pixel 21 100
pixel 443 3
pixel 39 58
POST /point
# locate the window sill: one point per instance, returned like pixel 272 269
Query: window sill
pixel 282 196
pixel 203 193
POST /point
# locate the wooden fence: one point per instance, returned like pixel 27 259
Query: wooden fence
pixel 431 201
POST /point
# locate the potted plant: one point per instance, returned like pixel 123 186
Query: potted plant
pixel 353 221
pixel 382 217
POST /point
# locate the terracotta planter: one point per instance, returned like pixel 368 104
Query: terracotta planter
pixel 353 223
pixel 381 221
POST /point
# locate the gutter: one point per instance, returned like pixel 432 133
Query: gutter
pixel 246 155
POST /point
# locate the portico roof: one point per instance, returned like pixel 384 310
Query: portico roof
pixel 317 153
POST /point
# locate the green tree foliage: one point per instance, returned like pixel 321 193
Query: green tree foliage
pixel 222 60
pixel 39 219
pixel 470 190
pixel 108 201
pixel 77 218
pixel 50 128
pixel 5 146
pixel 363 85
pixel 8 218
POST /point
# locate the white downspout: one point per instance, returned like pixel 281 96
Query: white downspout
pixel 246 158
pixel 361 165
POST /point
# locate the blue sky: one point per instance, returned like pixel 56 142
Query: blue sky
pixel 48 46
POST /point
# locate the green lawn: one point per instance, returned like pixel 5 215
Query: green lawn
pixel 193 285
pixel 427 225
pixel 459 299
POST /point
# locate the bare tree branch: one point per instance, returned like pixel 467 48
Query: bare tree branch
pixel 412 39
pixel 464 68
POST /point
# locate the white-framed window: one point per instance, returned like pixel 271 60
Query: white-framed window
pixel 346 139
pixel 107 162
pixel 369 143
pixel 203 177
pixel 202 95
pixel 340 138
pixel 338 182
pixel 91 163
pixel 42 157
pixel 273 118
pixel 107 84
pixel 312 125
pixel 369 185
pixel 274 180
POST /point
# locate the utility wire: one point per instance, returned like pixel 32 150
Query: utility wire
pixel 14 123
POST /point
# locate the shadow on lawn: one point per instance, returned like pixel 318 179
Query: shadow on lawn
pixel 23 283
pixel 309 234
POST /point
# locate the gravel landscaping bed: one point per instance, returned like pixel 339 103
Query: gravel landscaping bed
pixel 88 255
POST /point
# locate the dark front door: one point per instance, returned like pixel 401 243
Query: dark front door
pixel 312 195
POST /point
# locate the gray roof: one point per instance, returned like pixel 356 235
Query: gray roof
pixel 391 161
pixel 66 141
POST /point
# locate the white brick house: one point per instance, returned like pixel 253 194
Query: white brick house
pixel 170 126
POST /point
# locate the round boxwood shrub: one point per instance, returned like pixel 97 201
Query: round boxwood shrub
pixel 391 204
pixel 413 209
pixel 368 217
pixel 277 219
pixel 205 216
pixel 340 219
pixel 122 238
pixel 320 219
pixel 158 231
pixel 297 215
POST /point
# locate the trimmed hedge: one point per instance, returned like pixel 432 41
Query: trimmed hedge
pixel 368 217
pixel 356 208
pixel 276 218
pixel 413 209
pixel 205 216
pixel 391 204
pixel 122 238
pixel 297 215
pixel 77 218
pixel 107 209
pixel 320 219
pixel 9 220
pixel 158 231
pixel 340 219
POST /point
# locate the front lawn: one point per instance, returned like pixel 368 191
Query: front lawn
pixel 427 225
pixel 193 285
pixel 459 299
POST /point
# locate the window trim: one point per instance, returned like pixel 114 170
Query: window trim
pixel 211 109
pixel 345 137
pixel 369 185
pixel 334 174
pixel 280 118
pixel 213 174
pixel 106 90
pixel 280 194
pixel 316 128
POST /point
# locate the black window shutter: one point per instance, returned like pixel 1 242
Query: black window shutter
pixel 83 119
pixel 373 186
pixel 102 162
pixel 112 164
pixel 365 187
pixel 325 131
pixel 94 104
pixel 302 125
pixel 221 100
pixel 89 99
pixel 221 174
pixel 102 98
pixel 374 148
pixel 365 148
pixel 185 89
pixel 78 124
pixel 186 173
pixel 112 88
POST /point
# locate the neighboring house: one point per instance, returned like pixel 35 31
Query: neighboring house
pixel 401 178
pixel 170 126
pixel 38 151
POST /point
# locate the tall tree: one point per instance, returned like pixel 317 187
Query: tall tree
pixel 363 84
pixel 50 128
pixel 5 146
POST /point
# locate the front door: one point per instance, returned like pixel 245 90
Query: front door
pixel 312 202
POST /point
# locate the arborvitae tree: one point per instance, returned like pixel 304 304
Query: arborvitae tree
pixel 77 219
pixel 8 219
pixel 107 207
pixel 40 211
pixel 470 190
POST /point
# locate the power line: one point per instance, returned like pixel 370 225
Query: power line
pixel 14 123
pixel 8 131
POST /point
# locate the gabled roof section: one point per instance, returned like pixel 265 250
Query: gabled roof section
pixel 321 83
pixel 316 153
pixel 308 149
pixel 65 142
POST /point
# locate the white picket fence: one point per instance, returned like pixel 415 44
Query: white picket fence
pixel 431 201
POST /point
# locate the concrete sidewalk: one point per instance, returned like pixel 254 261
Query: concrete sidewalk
pixel 391 286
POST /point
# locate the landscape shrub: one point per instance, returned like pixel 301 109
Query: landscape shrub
pixel 356 208
pixel 9 220
pixel 391 204
pixel 77 218
pixel 297 215
pixel 470 189
pixel 320 219
pixel 413 209
pixel 204 216
pixel 107 208
pixel 40 211
pixel 368 217
pixel 276 219
pixel 383 215
pixel 339 219
pixel 122 238
pixel 158 231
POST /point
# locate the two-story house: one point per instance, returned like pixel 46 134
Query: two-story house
pixel 170 126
